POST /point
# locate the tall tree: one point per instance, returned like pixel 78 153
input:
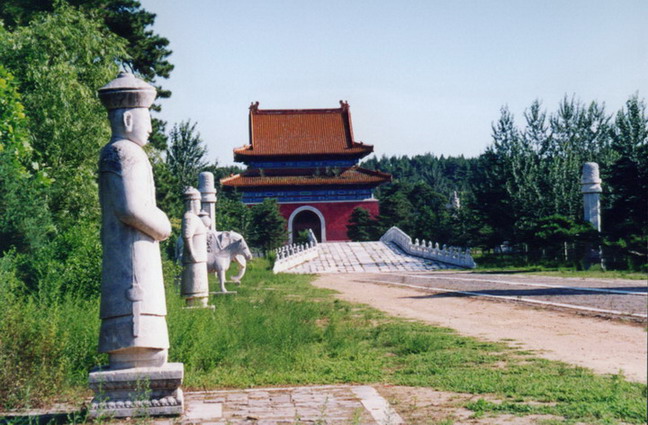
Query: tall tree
pixel 60 60
pixel 396 210
pixel 232 214
pixel 186 154
pixel 147 52
pixel 625 223
pixel 185 159
pixel 362 227
pixel 578 133
pixel 268 229
pixel 24 218
pixel 534 172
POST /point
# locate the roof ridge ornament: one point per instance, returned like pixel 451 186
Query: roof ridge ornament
pixel 344 104
pixel 254 106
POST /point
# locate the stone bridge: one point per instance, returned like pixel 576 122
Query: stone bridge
pixel 364 257
pixel 395 252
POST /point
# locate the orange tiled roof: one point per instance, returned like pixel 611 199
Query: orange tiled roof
pixel 352 176
pixel 299 132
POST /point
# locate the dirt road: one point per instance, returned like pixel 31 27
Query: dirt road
pixel 604 346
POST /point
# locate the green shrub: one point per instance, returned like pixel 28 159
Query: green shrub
pixel 45 349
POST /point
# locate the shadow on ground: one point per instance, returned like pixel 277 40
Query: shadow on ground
pixel 506 271
pixel 544 292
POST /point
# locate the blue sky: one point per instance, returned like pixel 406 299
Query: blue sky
pixel 420 76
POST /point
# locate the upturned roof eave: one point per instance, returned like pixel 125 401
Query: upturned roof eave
pixel 248 154
pixel 337 183
pixel 372 178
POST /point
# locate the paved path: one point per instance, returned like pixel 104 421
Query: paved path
pixel 308 405
pixel 365 257
pixel 606 297
pixel 606 346
pixel 327 404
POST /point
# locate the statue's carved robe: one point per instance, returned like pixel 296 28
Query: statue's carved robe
pixel 133 307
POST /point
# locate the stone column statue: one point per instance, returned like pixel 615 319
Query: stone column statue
pixel 133 307
pixel 208 196
pixel 195 285
pixel 591 189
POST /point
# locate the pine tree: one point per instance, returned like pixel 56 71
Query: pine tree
pixel 625 224
pixel 267 229
pixel 362 227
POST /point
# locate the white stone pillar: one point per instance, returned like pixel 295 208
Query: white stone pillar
pixel 456 202
pixel 591 190
pixel 208 195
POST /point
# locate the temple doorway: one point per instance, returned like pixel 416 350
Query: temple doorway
pixel 304 220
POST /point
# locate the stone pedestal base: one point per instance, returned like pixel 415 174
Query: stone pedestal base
pixel 224 293
pixel 195 301
pixel 140 391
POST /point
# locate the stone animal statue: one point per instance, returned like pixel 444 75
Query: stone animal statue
pixel 222 248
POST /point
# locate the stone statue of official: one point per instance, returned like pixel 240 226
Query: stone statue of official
pixel 138 380
pixel 133 309
pixel 195 284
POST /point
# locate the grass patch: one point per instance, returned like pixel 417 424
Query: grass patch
pixel 518 263
pixel 280 330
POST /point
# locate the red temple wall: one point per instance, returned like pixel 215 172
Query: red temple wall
pixel 336 215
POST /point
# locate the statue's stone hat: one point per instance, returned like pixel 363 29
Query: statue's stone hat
pixel 591 180
pixel 127 91
pixel 190 193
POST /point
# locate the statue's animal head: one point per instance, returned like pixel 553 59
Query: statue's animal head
pixel 243 246
pixel 235 244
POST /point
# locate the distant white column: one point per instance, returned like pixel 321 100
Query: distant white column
pixel 591 190
pixel 208 195
pixel 456 203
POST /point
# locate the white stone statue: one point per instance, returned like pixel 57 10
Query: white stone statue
pixel 133 307
pixel 195 284
pixel 222 248
pixel 208 196
pixel 591 189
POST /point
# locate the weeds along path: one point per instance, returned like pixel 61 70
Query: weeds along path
pixel 602 345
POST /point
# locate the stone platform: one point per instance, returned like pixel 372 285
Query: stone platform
pixel 365 257
pixel 137 392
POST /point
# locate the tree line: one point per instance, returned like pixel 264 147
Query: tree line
pixel 524 190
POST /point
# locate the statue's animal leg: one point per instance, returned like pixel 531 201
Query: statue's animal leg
pixel 240 259
pixel 221 279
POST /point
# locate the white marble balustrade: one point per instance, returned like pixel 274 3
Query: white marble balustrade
pixel 445 254
pixel 292 255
